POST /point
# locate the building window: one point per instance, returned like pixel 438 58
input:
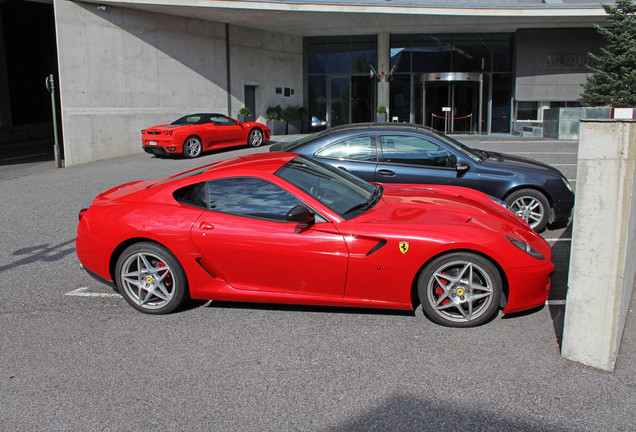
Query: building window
pixel 527 110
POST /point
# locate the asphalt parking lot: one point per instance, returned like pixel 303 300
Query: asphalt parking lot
pixel 75 356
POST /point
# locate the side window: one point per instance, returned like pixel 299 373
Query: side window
pixel 221 121
pixel 358 148
pixel 194 195
pixel 250 197
pixel 412 150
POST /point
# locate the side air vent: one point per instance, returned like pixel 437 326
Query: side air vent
pixel 377 247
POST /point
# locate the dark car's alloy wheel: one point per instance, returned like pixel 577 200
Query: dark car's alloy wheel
pixel 255 138
pixel 150 278
pixel 192 147
pixel 531 206
pixel 460 290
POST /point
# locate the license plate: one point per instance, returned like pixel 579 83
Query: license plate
pixel 152 142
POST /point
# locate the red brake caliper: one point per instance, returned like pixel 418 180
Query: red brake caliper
pixel 439 291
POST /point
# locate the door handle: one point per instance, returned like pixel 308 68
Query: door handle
pixel 386 172
pixel 206 226
pixel 343 168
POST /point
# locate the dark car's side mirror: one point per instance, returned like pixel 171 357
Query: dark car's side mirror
pixel 462 166
pixel 301 214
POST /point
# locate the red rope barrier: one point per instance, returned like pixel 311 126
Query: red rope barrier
pixel 452 118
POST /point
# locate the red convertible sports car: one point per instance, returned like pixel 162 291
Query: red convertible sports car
pixel 194 134
pixel 282 228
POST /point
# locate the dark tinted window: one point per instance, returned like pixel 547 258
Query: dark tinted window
pixel 250 197
pixel 356 148
pixel 412 150
pixel 191 119
pixel 220 120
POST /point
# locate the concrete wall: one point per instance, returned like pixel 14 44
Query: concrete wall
pixel 551 63
pixel 122 70
pixel 602 273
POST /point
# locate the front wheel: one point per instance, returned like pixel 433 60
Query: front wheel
pixel 150 278
pixel 460 289
pixel 531 206
pixel 255 138
pixel 192 147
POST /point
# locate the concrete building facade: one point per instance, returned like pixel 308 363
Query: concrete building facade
pixel 128 64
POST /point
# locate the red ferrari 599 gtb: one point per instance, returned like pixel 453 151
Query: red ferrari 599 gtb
pixel 283 228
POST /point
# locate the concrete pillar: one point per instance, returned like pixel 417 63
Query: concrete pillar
pixel 384 65
pixel 602 260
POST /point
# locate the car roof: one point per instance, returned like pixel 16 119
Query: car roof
pixel 360 127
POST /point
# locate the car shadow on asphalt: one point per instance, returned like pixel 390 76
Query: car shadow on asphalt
pixel 212 152
pixel 559 290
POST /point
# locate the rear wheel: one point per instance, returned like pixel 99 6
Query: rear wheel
pixel 531 206
pixel 150 278
pixel 460 289
pixel 192 147
pixel 255 138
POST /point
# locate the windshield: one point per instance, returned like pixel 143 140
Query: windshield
pixel 475 155
pixel 343 193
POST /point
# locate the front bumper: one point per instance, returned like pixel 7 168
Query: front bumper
pixel 528 287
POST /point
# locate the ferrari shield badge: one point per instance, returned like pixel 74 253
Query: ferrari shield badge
pixel 404 247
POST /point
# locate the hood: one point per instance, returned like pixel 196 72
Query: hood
pixel 444 205
pixel 502 160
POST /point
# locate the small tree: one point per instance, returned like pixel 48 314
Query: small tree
pixel 614 79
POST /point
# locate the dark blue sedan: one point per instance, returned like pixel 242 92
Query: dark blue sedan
pixel 406 153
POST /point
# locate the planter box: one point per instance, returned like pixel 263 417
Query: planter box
pixel 381 118
pixel 294 127
pixel 277 127
pixel 246 119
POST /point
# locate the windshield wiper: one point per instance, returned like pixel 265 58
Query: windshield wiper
pixel 374 198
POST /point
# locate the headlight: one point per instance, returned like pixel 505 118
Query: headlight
pixel 567 184
pixel 524 246
pixel 499 202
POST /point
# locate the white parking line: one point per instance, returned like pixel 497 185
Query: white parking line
pixel 563 165
pixel 558 239
pixel 81 292
pixel 555 302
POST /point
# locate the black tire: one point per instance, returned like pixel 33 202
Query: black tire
pixel 531 206
pixel 192 147
pixel 451 298
pixel 151 279
pixel 255 138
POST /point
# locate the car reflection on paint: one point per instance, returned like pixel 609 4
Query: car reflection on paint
pixel 283 228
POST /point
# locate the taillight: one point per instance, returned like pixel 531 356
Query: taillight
pixel 143 131
pixel 82 212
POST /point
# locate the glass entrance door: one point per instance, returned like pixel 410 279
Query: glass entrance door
pixel 450 102
pixel 463 100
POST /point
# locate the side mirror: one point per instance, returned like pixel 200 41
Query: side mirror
pixel 462 166
pixel 300 213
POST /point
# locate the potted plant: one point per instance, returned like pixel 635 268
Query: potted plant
pixel 275 121
pixel 245 115
pixel 381 114
pixel 293 116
